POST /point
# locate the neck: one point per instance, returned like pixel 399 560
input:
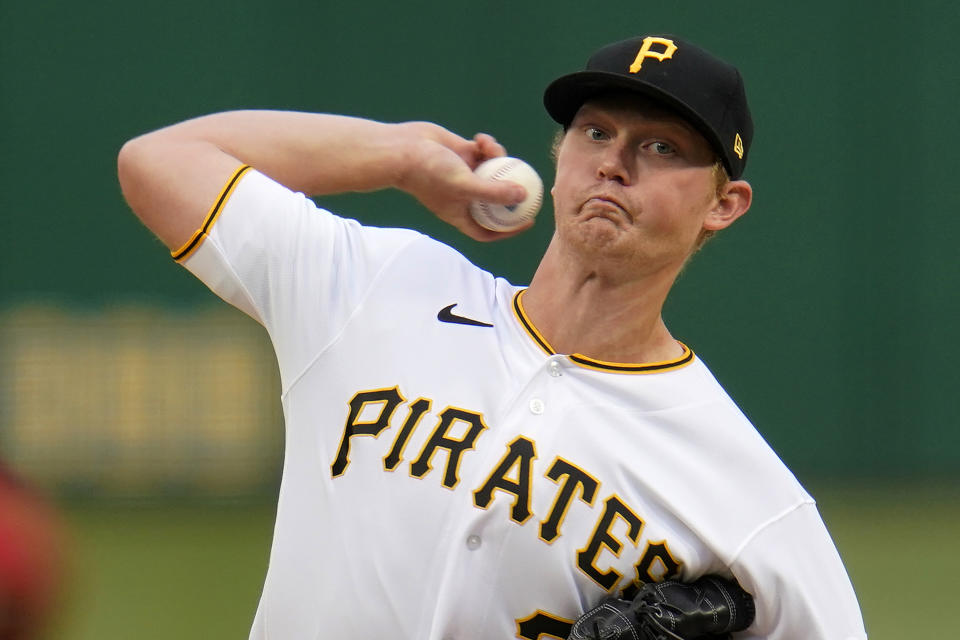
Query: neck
pixel 596 312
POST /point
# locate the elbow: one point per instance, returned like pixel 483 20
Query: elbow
pixel 127 163
pixel 132 171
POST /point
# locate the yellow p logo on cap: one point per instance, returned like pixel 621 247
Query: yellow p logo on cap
pixel 646 52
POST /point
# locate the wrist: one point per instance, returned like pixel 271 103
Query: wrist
pixel 410 145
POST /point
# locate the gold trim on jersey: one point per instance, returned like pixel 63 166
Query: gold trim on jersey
pixel 512 475
pixel 191 245
pixel 598 365
pixel 417 410
pixel 561 472
pixel 603 538
pixel 542 624
pixel 440 439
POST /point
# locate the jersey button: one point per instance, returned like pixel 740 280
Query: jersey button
pixel 536 406
pixel 474 542
pixel 554 369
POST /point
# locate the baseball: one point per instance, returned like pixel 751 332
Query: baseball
pixel 498 217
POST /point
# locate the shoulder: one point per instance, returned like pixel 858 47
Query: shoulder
pixel 255 215
pixel 732 481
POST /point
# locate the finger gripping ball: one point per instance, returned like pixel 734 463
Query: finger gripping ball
pixel 498 217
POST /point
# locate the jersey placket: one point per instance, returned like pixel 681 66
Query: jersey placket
pixel 476 543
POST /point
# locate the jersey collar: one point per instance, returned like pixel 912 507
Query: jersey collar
pixel 590 363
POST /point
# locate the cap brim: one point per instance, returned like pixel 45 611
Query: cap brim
pixel 565 95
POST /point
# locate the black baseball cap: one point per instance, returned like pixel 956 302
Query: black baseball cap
pixel 701 88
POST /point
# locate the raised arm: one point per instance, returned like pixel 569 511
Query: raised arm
pixel 172 176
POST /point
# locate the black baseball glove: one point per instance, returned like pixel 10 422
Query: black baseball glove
pixel 707 609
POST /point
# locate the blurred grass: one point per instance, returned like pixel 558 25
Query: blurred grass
pixel 900 545
pixel 145 572
pixel 195 571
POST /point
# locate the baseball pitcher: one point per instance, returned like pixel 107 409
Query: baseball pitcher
pixel 469 459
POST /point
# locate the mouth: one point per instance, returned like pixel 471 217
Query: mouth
pixel 605 205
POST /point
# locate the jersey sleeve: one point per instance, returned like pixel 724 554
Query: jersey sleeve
pixel 297 269
pixel 798 581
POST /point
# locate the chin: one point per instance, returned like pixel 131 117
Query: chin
pixel 600 236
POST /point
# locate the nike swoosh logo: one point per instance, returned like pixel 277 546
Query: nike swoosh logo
pixel 447 315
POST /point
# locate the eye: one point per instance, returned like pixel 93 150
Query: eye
pixel 662 148
pixel 595 134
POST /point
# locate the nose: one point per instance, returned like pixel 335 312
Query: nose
pixel 614 164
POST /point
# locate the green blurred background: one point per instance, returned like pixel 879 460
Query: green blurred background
pixel 147 411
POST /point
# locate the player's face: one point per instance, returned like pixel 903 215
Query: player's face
pixel 634 183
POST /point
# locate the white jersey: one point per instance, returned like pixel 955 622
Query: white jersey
pixel 448 476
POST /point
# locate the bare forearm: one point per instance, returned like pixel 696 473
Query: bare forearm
pixel 171 176
pixel 309 152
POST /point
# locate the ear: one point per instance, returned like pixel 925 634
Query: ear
pixel 732 202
